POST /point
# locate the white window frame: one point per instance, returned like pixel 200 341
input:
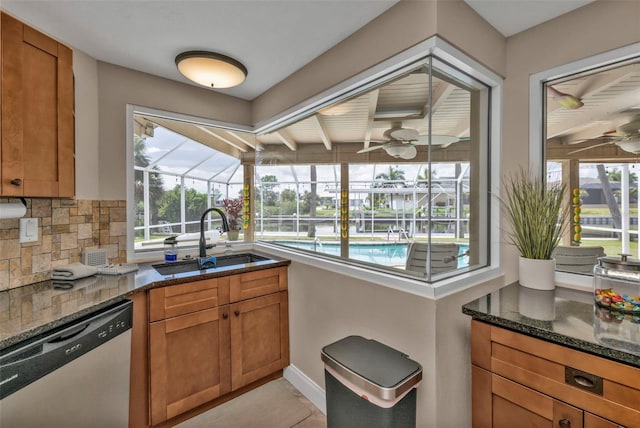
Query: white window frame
pixel 396 66
pixel 537 122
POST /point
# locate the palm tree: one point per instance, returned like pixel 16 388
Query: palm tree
pixel 393 179
pixel 156 189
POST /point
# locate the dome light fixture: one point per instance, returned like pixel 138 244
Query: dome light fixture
pixel 211 69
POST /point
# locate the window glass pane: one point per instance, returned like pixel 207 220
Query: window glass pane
pixel 177 178
pixel 292 208
pixel 401 172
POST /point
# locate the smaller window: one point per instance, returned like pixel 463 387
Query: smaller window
pixel 176 179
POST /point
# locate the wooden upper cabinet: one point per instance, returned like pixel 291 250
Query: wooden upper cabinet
pixel 37 126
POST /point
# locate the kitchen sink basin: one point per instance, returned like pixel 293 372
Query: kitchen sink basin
pixel 192 265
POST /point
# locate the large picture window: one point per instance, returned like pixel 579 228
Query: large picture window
pixel 389 170
pixel 394 176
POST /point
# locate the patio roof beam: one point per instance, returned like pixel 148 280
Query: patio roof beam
pixel 284 136
pixel 322 130
pixel 225 140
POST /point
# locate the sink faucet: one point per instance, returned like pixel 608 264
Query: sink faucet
pixel 225 228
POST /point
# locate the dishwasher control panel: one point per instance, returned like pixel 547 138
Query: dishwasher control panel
pixel 25 363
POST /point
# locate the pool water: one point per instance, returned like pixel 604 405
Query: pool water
pixel 386 254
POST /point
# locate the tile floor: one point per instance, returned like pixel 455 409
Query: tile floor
pixel 276 404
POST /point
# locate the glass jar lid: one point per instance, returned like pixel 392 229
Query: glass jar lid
pixel 624 262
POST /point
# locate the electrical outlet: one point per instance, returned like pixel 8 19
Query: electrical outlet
pixel 28 230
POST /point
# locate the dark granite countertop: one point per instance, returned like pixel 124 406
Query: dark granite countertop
pixel 34 309
pixel 566 317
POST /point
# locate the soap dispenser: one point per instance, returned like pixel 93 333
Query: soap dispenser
pixel 170 249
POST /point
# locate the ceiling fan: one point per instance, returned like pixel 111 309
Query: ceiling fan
pixel 400 142
pixel 626 136
pixel 567 101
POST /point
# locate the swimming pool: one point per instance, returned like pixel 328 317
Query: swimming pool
pixel 386 254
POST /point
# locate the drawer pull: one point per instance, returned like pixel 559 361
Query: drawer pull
pixel 565 423
pixel 225 316
pixel 583 380
pixel 16 182
pixel 237 313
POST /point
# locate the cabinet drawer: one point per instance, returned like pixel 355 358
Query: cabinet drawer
pixel 258 283
pixel 597 385
pixel 514 402
pixel 182 299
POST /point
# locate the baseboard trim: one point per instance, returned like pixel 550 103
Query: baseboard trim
pixel 306 386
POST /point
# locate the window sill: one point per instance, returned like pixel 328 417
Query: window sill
pixel 407 285
pixel 574 281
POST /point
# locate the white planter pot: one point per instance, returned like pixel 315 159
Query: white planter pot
pixel 537 274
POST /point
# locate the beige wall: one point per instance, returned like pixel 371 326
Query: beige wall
pixel 407 23
pixel 595 28
pixel 85 72
pixel 326 306
pixel 118 86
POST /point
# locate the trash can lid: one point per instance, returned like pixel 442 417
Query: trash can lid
pixel 373 366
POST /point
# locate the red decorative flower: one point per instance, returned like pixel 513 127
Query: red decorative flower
pixel 233 207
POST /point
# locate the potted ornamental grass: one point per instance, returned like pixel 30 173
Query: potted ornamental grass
pixel 538 219
pixel 233 208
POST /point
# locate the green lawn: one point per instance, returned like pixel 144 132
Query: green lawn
pixel 612 247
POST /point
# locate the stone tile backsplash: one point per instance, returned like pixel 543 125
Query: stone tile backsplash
pixel 65 228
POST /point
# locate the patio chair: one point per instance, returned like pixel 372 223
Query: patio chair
pixel 577 259
pixel 444 257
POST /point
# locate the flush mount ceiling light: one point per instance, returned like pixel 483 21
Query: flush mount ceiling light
pixel 211 69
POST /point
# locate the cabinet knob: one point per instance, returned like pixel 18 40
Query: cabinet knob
pixel 225 316
pixel 237 313
pixel 565 423
pixel 16 182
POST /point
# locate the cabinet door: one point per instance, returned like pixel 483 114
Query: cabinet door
pixel 259 338
pixel 515 405
pixel 189 361
pixel 37 145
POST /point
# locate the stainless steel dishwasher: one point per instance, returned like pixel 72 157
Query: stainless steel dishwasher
pixel 74 376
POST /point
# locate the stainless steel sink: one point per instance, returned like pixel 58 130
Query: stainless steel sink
pixel 192 265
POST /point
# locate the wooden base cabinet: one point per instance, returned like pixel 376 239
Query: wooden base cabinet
pixel 521 381
pixel 213 337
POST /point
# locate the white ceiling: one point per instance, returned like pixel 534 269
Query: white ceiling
pixel 271 38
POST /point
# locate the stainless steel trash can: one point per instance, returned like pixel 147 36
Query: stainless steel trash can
pixel 369 384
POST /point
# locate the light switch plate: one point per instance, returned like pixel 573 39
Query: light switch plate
pixel 28 230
